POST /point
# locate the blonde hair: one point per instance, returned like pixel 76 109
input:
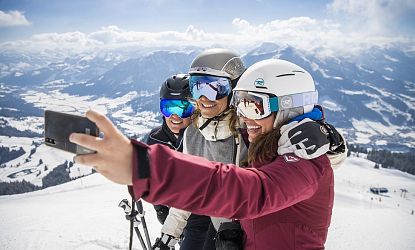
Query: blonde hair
pixel 233 121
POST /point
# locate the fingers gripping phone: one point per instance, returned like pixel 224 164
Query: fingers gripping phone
pixel 59 126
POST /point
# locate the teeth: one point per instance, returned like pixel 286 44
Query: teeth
pixel 176 122
pixel 253 127
pixel 207 105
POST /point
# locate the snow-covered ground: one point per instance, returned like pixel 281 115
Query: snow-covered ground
pixel 84 213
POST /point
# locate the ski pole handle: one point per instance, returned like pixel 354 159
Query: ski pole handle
pixel 124 204
pixel 140 208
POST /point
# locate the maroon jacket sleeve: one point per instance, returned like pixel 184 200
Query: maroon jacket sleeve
pixel 200 186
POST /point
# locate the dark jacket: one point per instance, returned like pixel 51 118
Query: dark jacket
pixel 163 135
pixel 285 204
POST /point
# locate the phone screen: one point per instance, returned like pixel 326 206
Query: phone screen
pixel 59 126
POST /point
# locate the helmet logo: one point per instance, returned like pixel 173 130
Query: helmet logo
pixel 286 102
pixel 259 83
pixel 324 130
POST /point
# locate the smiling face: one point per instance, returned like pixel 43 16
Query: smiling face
pixel 175 123
pixel 258 127
pixel 209 108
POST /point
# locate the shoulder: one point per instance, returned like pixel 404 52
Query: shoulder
pixel 320 165
pixel 156 135
pixel 191 131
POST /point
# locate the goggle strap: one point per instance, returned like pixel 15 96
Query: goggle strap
pixel 297 100
pixel 273 104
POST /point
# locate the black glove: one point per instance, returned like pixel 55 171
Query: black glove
pixel 229 236
pixel 162 212
pixel 310 139
pixel 165 242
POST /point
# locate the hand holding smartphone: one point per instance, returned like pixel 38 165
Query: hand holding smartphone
pixel 59 126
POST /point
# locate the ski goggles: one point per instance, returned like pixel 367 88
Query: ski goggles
pixel 212 87
pixel 257 106
pixel 179 107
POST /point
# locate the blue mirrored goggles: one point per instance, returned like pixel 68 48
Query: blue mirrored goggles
pixel 212 87
pixel 180 107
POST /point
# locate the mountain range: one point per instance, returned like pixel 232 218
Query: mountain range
pixel 369 97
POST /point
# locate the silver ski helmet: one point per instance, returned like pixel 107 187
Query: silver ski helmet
pixel 218 62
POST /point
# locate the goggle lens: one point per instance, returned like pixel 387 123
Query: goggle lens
pixel 257 106
pixel 250 106
pixel 212 87
pixel 179 107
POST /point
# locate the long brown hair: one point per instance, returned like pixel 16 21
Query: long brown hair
pixel 264 148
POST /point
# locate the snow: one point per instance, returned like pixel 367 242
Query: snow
pixel 28 123
pixel 366 70
pixel 33 167
pixel 391 58
pixel 387 78
pixel 317 68
pixel 332 105
pixel 84 214
pixel 374 128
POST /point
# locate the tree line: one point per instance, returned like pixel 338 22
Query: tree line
pixel 7 155
pixel 57 176
pixel 404 161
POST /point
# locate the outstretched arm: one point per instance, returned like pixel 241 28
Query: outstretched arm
pixel 161 175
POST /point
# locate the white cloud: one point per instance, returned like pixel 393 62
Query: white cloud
pixel 372 16
pixel 325 36
pixel 13 18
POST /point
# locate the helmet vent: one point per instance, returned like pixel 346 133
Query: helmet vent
pixel 299 71
pixel 291 74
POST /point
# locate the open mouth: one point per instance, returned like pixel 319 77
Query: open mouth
pixel 175 122
pixel 207 106
pixel 253 128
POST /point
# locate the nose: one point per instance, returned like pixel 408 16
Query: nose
pixel 203 98
pixel 245 119
pixel 175 116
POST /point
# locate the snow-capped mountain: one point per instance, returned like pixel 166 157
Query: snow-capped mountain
pixel 370 96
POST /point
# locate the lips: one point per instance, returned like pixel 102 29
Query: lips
pixel 253 131
pixel 176 122
pixel 205 105
pixel 252 127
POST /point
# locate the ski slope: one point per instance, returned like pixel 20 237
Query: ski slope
pixel 84 214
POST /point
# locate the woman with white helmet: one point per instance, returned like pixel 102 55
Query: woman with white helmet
pixel 282 201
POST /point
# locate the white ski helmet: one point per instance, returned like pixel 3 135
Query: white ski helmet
pixel 292 85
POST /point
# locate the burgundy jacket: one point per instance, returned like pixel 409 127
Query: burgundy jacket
pixel 286 204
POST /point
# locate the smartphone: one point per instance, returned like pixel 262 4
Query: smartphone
pixel 59 126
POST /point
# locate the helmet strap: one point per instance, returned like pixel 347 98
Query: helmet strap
pixel 215 118
pixel 283 116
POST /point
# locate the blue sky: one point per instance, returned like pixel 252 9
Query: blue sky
pixel 112 21
pixel 146 15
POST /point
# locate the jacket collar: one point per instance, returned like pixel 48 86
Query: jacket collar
pixel 217 129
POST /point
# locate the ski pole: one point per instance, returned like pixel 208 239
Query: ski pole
pixel 130 214
pixel 143 220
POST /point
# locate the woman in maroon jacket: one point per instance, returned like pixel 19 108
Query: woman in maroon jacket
pixel 281 201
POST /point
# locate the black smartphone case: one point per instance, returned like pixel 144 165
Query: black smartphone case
pixel 59 126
